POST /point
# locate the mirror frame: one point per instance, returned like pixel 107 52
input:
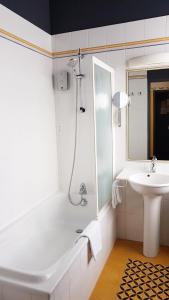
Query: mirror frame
pixel 141 63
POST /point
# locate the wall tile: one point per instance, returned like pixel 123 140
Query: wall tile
pixel 134 226
pixel 84 259
pixel 167 26
pixel 155 49
pixel 1 290
pixel 134 52
pixel 116 59
pixel 75 281
pixel 121 225
pixel 79 39
pixel 11 293
pixel 97 36
pixel 155 27
pixel 134 202
pixel 89 281
pixel 62 291
pixel 40 297
pixel 134 31
pixel 16 24
pixel 166 48
pixel 164 232
pixel 19 105
pixel 62 42
pixel 115 34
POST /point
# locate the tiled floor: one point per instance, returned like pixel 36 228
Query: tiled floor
pixel 110 279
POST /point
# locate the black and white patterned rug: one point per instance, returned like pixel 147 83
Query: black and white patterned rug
pixel 144 280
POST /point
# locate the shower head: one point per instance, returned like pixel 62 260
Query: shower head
pixel 72 62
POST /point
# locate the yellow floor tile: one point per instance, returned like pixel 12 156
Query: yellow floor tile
pixel 110 278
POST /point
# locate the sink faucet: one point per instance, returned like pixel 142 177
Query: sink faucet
pixel 82 192
pixel 153 164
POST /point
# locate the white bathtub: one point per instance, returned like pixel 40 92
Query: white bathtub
pixel 37 250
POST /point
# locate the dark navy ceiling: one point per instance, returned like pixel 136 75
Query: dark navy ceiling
pixel 35 11
pixel 58 16
pixel 80 14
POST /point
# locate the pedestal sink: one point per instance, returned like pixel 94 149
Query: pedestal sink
pixel 152 186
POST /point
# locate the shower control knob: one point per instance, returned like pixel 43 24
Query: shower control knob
pixel 83 189
pixel 82 109
pixel 84 202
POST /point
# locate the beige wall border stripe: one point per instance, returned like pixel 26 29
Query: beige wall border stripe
pixel 130 77
pixel 24 42
pixel 102 48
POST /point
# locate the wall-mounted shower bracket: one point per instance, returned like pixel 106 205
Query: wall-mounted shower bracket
pixel 83 201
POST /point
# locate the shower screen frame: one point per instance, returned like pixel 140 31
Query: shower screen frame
pixel 103 203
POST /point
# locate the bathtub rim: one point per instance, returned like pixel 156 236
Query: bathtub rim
pixel 47 287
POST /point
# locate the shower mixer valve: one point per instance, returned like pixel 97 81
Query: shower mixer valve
pixel 82 192
pixel 82 109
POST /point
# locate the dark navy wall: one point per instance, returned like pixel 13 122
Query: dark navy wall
pixel 58 16
pixel 158 75
pixel 35 11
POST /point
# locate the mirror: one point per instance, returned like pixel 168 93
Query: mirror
pixel 148 114
pixel 120 100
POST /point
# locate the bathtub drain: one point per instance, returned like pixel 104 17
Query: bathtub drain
pixel 79 230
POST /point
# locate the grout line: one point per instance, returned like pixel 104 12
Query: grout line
pixel 166 26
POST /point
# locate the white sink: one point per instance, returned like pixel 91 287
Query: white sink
pixel 150 183
pixel 152 186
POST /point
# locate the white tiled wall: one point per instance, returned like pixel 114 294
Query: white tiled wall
pixel 14 294
pixel 130 213
pixel 63 42
pixel 97 36
pixel 28 152
pixel 156 27
pixel 112 34
pixel 77 38
pixel 17 25
pixel 134 31
pixel 39 297
pixel 65 118
pixel 8 292
pixel 115 34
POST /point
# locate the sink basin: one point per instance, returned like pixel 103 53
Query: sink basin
pixel 152 186
pixel 150 183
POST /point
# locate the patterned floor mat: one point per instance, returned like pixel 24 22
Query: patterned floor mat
pixel 145 281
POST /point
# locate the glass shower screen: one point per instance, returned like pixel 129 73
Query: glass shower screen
pixel 103 131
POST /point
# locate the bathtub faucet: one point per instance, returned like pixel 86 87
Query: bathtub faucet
pixel 82 192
